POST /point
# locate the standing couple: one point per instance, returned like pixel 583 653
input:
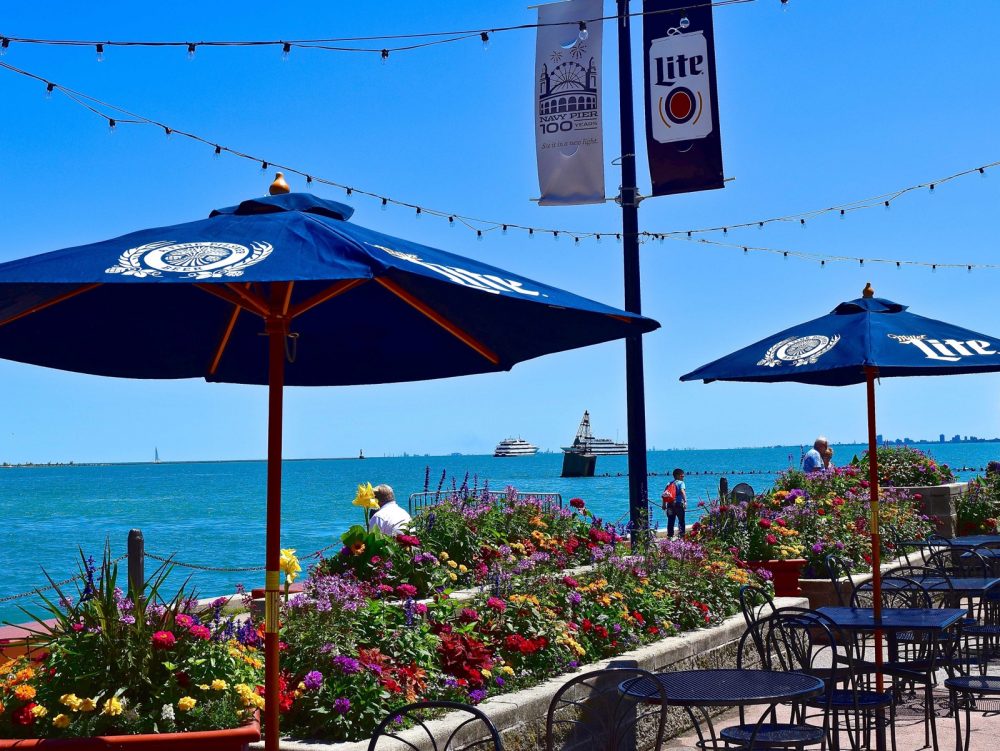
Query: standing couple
pixel 820 456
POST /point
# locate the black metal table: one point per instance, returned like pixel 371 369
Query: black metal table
pixel 699 689
pixel 894 619
pixel 969 586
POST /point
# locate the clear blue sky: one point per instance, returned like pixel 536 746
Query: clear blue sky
pixel 822 103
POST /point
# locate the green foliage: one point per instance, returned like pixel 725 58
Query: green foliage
pixel 904 466
pixel 979 508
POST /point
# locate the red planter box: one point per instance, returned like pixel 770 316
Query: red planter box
pixel 236 739
pixel 785 575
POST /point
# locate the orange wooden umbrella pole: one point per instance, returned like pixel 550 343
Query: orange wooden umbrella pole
pixel 871 373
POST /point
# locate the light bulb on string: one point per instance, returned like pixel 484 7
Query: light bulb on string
pixel 684 22
pixel 286 49
pixel 843 213
pixel 191 48
pixel 479 234
pixel 583 34
pixel 760 225
pixel 418 212
pixel 218 151
pixel 100 53
pixel 49 88
pixel 531 233
pixel 802 223
pixel 485 36
pixel 263 166
pixel 618 237
pixel 451 221
pixel 886 204
pixel 982 172
pixel 385 56
pixel 385 204
pixel 503 229
pixel 555 235
pixel 4 46
pixel 597 237
pixel 167 132
pixel 111 125
pixel 932 188
pixel 309 180
pixel 349 191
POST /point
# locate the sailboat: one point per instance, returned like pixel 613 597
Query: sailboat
pixel 156 455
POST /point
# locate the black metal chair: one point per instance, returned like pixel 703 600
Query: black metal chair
pixel 591 713
pixel 839 569
pixel 420 726
pixel 970 693
pixel 804 641
pixel 741 492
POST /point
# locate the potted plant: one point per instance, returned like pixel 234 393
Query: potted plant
pixel 133 670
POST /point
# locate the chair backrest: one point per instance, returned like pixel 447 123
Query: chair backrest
pixel 755 603
pixel 897 592
pixel 419 726
pixel 590 713
pixel 990 553
pixel 942 593
pixel 957 562
pixel 838 569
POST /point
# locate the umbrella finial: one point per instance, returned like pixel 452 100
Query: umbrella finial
pixel 279 185
pixel 866 292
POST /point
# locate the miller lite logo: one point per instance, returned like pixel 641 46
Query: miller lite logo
pixel 680 93
pixel 949 350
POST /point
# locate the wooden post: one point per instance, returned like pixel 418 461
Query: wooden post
pixel 136 563
pixel 723 490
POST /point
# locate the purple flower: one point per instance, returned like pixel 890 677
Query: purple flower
pixel 342 705
pixel 128 620
pixel 817 547
pixel 500 681
pixel 313 680
pixel 346 665
pixel 575 598
pixel 477 695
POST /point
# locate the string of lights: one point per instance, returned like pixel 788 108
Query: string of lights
pixel 481 226
pixel 416 40
pixel 824 259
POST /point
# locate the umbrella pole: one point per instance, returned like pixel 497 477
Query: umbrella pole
pixel 276 326
pixel 870 373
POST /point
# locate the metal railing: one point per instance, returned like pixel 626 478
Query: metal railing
pixel 418 501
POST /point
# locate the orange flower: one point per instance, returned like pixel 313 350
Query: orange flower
pixel 24 692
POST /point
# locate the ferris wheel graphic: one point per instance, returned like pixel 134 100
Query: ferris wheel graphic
pixel 569 76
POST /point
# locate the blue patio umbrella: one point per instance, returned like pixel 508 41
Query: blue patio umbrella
pixel 339 304
pixel 857 342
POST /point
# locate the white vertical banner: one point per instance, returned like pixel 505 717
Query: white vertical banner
pixel 568 135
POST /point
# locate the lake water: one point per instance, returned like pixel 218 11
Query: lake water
pixel 212 513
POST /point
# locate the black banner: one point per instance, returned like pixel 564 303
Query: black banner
pixel 682 106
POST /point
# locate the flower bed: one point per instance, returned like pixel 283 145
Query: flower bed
pixel 115 665
pixel 353 654
pixel 813 516
pixel 979 508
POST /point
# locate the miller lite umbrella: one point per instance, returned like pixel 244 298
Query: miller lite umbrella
pixel 857 342
pixel 340 304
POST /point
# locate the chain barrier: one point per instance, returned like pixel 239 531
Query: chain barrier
pixel 198 567
pixel 55 585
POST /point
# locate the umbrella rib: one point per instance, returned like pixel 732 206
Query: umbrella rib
pixel 237 296
pixel 456 331
pixel 49 303
pixel 329 293
pixel 225 339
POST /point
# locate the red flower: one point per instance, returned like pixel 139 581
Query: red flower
pixel 163 640
pixel 408 540
pixel 586 625
pixel 200 632
pixel 653 630
pixel 577 502
pixel 468 615
pixel 601 631
pixel 406 590
pixel 23 716
pixel 570 582
pixel 764 524
pixel 821 511
pixel 182 679
pixel 495 603
pixel 723 509
pixel 638 617
pixel 771 540
pixel 464 657
pixel 781 522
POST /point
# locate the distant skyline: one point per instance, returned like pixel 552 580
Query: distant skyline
pixel 810 115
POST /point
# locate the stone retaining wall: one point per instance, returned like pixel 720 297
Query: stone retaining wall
pixel 520 716
pixel 822 593
pixel 940 501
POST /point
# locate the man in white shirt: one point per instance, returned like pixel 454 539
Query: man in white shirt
pixel 813 460
pixel 391 518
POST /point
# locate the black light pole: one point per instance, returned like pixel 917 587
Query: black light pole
pixel 638 496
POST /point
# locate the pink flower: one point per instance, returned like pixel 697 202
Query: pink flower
pixel 771 540
pixel 163 640
pixel 406 590
pixel 570 582
pixel 408 540
pixel 200 632
pixel 495 603
pixel 577 503
pixel 184 621
pixel 764 524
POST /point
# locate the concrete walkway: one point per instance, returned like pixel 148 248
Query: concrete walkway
pixel 909 727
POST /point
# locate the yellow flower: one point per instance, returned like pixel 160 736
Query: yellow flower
pixel 112 707
pixel 358 548
pixel 453 577
pixel 219 685
pixel 39 711
pixel 203 686
pixel 70 700
pixel 60 721
pixel 186 703
pixel 24 692
pixel 289 564
pixel 486 673
pixel 507 669
pixel 365 497
pixel 88 705
pixel 452 564
pixel 25 674
pixel 444 555
pixel 463 568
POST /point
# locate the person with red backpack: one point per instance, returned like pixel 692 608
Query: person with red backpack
pixel 674 500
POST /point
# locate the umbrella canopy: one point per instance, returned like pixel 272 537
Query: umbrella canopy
pixel 857 342
pixel 187 301
pixel 339 304
pixel 835 349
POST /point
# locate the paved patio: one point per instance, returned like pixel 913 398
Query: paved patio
pixel 909 727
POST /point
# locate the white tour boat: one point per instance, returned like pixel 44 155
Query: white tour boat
pixel 515 447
